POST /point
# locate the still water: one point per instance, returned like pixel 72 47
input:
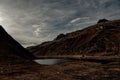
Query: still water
pixel 51 61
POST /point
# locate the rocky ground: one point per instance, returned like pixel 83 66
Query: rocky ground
pixel 81 70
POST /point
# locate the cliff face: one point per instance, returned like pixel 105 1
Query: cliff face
pixel 100 39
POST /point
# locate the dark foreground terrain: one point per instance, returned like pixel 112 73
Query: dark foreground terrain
pixel 67 71
pixel 100 61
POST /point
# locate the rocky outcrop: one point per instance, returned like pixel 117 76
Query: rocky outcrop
pixel 60 36
pixel 102 20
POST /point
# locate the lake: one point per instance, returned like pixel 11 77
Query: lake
pixel 52 61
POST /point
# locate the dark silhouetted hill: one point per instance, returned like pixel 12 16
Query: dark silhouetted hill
pixel 10 47
pixel 14 59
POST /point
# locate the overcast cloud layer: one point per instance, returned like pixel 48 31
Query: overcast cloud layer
pixel 33 21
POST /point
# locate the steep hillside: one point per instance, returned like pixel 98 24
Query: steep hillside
pixel 9 46
pixel 14 59
pixel 100 39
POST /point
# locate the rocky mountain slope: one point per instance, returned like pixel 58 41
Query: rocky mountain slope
pixel 101 39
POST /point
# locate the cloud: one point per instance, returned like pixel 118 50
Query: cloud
pixel 35 21
pixel 82 19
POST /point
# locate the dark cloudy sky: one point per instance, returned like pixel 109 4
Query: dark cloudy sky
pixel 34 21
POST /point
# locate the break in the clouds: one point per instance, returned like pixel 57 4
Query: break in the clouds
pixel 33 21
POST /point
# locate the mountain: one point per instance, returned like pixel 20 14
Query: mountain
pixel 14 59
pixel 101 39
pixel 10 47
